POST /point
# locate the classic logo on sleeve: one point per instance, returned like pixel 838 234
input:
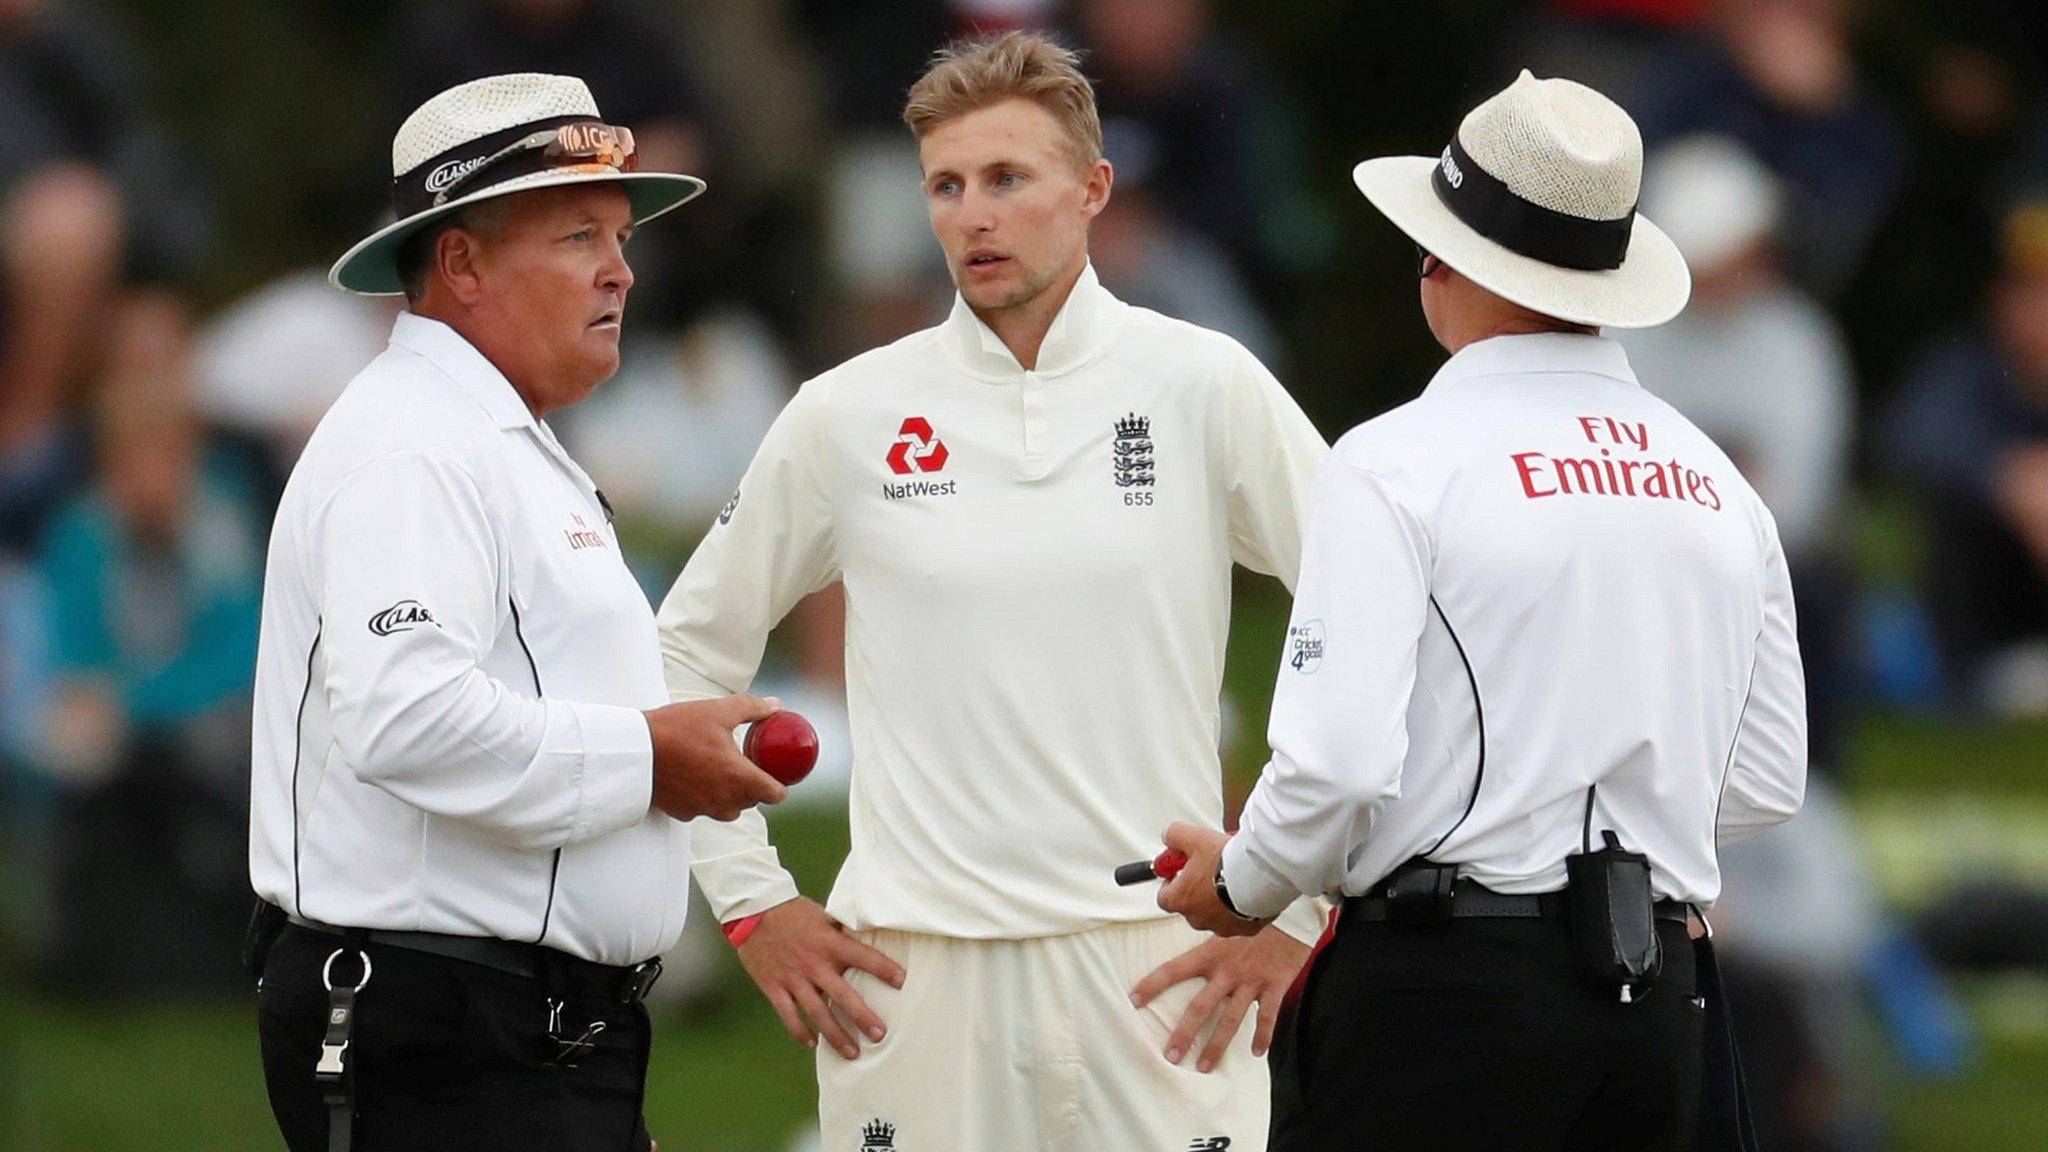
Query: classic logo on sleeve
pixel 878 1135
pixel 1305 647
pixel 403 616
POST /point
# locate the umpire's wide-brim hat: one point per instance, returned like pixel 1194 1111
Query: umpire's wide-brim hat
pixel 493 137
pixel 1535 201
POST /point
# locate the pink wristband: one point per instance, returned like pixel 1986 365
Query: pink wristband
pixel 737 931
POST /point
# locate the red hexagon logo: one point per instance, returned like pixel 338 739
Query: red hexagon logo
pixel 917 448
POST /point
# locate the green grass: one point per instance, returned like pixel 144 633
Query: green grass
pixel 1922 757
pixel 2003 1103
pixel 170 1077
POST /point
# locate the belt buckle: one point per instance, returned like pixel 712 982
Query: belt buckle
pixel 639 981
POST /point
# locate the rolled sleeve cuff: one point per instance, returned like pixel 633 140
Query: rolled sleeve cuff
pixel 744 883
pixel 1258 891
pixel 616 784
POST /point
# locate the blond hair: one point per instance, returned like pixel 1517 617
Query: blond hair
pixel 967 76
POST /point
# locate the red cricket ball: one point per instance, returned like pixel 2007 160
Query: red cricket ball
pixel 784 745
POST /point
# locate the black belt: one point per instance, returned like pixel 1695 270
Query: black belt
pixel 1476 900
pixel 628 984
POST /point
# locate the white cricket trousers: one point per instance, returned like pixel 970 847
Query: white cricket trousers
pixel 1022 1045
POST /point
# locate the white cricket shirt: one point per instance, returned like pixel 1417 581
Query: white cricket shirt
pixel 1534 585
pixel 448 729
pixel 1037 568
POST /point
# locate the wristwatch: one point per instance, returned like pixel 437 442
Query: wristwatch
pixel 1223 895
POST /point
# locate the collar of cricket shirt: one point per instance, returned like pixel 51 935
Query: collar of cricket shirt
pixel 459 360
pixel 1084 329
pixel 1537 353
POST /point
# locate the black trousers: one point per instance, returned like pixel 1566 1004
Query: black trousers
pixel 451 1056
pixel 1479 1034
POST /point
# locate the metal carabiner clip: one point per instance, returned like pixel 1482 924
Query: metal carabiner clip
pixel 327 970
pixel 341 1011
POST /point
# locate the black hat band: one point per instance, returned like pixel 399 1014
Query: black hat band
pixel 414 191
pixel 1489 208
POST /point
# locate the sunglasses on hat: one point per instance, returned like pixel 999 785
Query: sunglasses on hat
pixel 569 146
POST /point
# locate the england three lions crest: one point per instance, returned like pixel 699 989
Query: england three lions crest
pixel 1131 452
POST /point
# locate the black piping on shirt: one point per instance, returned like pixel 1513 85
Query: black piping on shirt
pixel 298 750
pixel 1479 714
pixel 555 869
pixel 1734 742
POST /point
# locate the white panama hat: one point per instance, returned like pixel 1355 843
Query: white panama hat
pixel 483 140
pixel 1535 201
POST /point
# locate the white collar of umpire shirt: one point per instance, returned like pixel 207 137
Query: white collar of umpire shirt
pixel 1535 354
pixel 460 361
pixel 1086 325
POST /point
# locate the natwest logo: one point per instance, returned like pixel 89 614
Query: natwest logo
pixel 917 448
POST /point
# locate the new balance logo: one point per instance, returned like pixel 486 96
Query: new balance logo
pixel 1210 1144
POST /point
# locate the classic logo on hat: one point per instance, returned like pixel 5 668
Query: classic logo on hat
pixel 493 137
pixel 450 172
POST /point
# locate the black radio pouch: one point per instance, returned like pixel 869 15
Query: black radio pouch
pixel 1613 926
pixel 1420 892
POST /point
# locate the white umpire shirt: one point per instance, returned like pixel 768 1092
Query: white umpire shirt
pixel 454 660
pixel 1038 571
pixel 1536 604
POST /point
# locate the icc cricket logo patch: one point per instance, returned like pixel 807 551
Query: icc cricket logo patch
pixel 1305 647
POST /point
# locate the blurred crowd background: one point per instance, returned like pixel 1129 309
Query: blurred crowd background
pixel 1860 186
